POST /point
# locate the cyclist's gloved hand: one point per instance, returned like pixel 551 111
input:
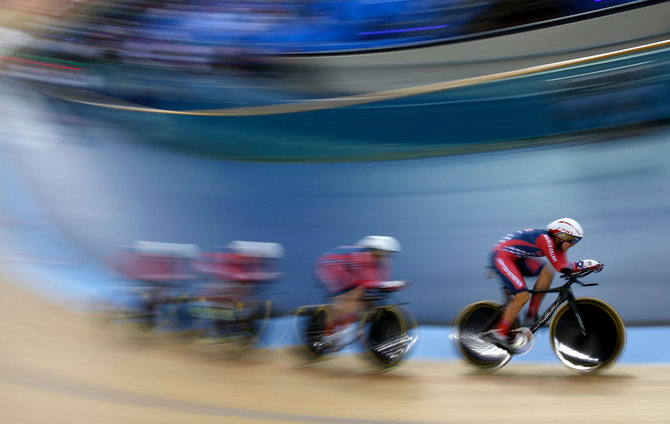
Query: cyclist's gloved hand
pixel 590 264
pixel 390 285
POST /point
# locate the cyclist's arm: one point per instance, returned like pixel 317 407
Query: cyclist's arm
pixel 557 258
pixel 335 270
pixel 371 273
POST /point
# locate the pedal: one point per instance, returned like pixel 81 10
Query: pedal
pixel 522 341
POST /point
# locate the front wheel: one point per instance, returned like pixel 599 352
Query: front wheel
pixel 600 345
pixel 470 322
pixel 239 325
pixel 389 334
pixel 309 326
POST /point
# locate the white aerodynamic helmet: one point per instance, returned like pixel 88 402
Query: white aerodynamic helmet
pixel 385 243
pixel 566 229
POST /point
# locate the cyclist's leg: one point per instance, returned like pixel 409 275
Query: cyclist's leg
pixel 545 273
pixel 345 298
pixel 346 306
pixel 506 266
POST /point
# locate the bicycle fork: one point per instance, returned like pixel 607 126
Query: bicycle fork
pixel 573 305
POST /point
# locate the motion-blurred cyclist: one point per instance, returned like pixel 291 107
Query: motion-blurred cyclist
pixel 347 272
pixel 513 257
pixel 154 272
pixel 238 268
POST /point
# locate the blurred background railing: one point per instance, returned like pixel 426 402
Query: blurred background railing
pixel 236 86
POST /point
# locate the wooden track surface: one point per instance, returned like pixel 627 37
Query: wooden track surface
pixel 57 366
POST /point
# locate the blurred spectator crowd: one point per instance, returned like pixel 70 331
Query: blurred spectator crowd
pixel 206 33
pixel 182 54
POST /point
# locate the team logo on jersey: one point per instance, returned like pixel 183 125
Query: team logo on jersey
pixel 519 284
pixel 551 248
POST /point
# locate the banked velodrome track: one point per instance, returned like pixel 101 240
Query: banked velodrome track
pixel 57 366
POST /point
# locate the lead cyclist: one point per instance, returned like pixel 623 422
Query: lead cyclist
pixel 515 256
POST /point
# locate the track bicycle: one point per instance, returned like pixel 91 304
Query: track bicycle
pixel 586 334
pixel 386 331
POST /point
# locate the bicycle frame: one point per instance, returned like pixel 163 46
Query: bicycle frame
pixel 564 294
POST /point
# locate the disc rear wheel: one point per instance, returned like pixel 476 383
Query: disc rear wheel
pixel 472 321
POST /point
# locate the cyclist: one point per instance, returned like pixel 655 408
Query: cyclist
pixel 156 273
pixel 514 257
pixel 347 272
pixel 237 268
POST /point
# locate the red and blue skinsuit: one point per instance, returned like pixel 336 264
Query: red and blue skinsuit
pixel 514 257
pixel 232 266
pixel 348 267
pixel 238 273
